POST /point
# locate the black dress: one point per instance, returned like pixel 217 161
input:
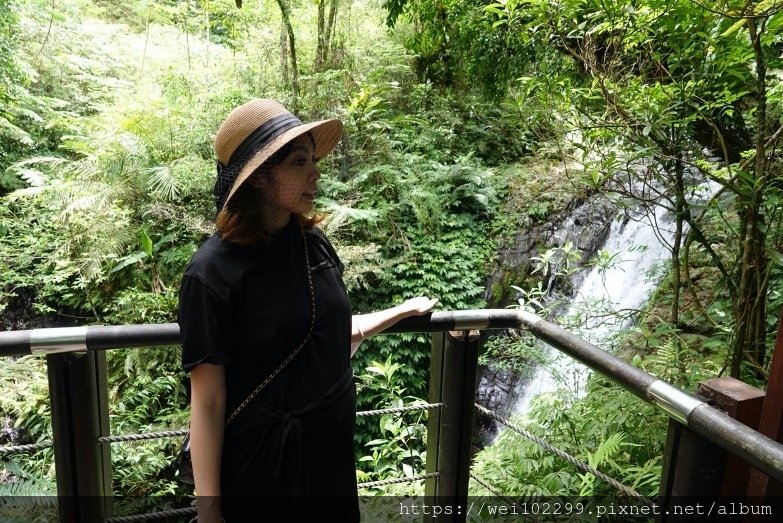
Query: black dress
pixel 248 308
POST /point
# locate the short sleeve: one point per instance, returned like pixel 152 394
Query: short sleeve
pixel 205 325
pixel 323 243
pixel 333 254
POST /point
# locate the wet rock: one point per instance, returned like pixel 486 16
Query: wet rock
pixel 19 314
pixel 10 435
pixel 584 223
pixel 496 391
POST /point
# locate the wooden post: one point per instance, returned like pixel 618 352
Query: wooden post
pixel 771 423
pixel 433 417
pixel 694 466
pixel 691 463
pixel 77 386
pixel 453 381
pixel 742 402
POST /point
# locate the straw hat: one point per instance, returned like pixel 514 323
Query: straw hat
pixel 255 131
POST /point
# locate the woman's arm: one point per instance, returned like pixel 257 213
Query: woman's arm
pixel 207 418
pixel 365 325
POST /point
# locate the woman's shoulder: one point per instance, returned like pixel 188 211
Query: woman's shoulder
pixel 317 236
pixel 316 231
pixel 219 263
pixel 210 254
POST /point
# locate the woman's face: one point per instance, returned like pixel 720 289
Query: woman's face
pixel 293 183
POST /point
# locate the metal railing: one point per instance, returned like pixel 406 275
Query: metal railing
pixel 78 392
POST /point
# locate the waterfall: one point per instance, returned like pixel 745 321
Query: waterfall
pixel 625 285
pixel 639 242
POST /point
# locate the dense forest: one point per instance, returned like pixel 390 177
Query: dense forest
pixel 466 121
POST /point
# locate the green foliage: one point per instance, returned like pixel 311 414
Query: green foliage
pixel 23 126
pixel 517 353
pixel 147 394
pixel 425 215
pixel 608 429
pixel 418 267
pixel 25 403
pixel 662 81
pixel 10 75
pixel 457 44
pixel 496 132
pixel 26 396
pixel 143 469
pixel 424 267
pixel 398 452
pixel 672 354
pixel 33 494
pixel 117 196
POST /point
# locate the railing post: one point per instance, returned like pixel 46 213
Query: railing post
pixel 434 416
pixel 742 402
pixel 691 464
pixel 77 387
pixel 453 370
pixel 771 421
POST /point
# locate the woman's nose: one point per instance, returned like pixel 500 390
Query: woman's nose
pixel 315 173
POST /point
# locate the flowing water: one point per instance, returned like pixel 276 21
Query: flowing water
pixel 624 285
pixel 640 244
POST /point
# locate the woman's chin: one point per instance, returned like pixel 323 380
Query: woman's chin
pixel 305 207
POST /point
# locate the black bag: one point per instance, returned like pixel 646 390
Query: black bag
pixel 183 464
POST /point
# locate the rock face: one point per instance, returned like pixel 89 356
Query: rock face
pixel 496 391
pixel 586 225
pixel 10 435
pixel 19 314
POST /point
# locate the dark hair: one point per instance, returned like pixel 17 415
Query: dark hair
pixel 241 220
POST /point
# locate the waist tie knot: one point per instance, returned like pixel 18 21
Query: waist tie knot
pixel 290 442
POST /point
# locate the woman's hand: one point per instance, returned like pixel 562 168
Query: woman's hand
pixel 419 306
pixel 365 325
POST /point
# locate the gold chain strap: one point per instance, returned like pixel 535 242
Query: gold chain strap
pixel 296 351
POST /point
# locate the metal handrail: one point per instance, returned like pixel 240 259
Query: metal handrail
pixel 755 448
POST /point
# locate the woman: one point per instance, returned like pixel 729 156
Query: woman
pixel 267 331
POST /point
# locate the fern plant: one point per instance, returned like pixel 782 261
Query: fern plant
pixel 28 496
pixel 608 429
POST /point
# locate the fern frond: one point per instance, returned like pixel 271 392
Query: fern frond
pixel 342 215
pixel 608 449
pixel 9 130
pixel 162 182
pixel 27 192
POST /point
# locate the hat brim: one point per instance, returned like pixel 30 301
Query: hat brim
pixel 326 134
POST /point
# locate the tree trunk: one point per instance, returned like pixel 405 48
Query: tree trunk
pixel 750 308
pixel 325 32
pixel 320 49
pixel 750 303
pixel 330 28
pixel 679 210
pixel 285 11
pixel 284 54
pixel 209 29
pixel 187 40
